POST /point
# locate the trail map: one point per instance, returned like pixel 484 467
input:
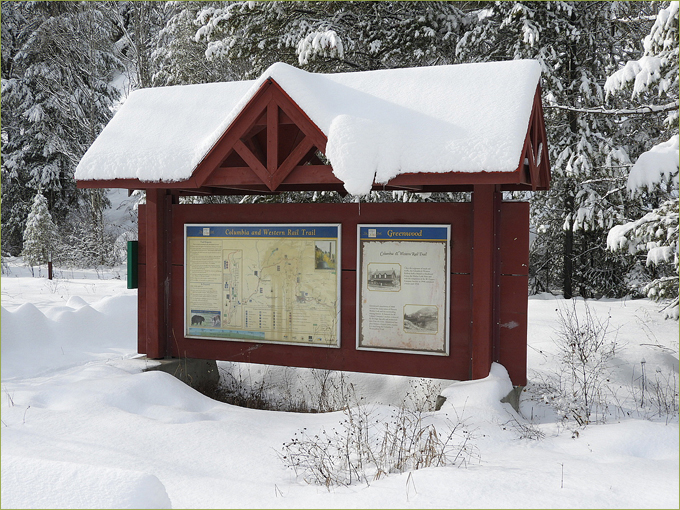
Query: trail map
pixel 263 283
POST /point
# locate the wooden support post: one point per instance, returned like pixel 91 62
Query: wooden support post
pixel 157 271
pixel 485 219
pixel 496 333
pixel 171 197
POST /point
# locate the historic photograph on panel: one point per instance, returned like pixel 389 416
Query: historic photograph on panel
pixel 384 277
pixel 421 319
pixel 324 255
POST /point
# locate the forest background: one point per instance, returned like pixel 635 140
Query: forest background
pixel 607 227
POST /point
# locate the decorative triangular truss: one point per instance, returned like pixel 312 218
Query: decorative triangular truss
pixel 535 151
pixel 269 142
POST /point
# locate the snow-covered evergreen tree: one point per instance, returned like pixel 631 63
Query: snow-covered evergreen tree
pixel 330 36
pixel 653 180
pixel 56 97
pixel 138 25
pixel 179 59
pixel 41 235
pixel 578 45
pixel 16 198
pixel 656 236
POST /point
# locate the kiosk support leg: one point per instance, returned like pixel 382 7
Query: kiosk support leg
pixel 485 262
pixel 157 271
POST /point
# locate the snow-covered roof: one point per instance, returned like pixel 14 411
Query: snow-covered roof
pixel 378 124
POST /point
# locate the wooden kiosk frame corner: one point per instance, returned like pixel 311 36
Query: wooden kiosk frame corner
pixel 271 147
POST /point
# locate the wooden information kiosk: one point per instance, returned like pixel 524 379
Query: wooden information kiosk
pixel 419 289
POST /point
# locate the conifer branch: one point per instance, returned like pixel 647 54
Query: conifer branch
pixel 642 110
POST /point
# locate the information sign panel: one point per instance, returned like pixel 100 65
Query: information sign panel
pixel 263 283
pixel 403 288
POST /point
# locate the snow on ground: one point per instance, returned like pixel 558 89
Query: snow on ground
pixel 84 426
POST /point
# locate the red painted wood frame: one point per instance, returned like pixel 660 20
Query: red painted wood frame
pixel 488 299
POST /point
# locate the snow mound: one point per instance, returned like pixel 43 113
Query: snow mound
pixel 480 394
pixel 154 395
pixel 76 302
pixel 40 483
pixel 34 343
pixel 641 439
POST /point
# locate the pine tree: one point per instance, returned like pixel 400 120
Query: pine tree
pixel 138 27
pixel 653 180
pixel 330 36
pixel 41 234
pixel 57 96
pixel 16 197
pixel 178 59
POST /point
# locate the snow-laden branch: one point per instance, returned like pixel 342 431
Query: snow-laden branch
pixel 638 19
pixel 320 42
pixel 641 110
pixel 658 65
pixel 657 165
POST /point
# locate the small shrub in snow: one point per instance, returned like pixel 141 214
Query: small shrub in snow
pixel 655 396
pixel 422 395
pixel 663 394
pixel 366 447
pixel 369 442
pixel 328 392
pixel 524 430
pixel 241 389
pixel 324 391
pixel 586 347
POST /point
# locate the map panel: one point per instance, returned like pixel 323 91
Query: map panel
pixel 263 283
